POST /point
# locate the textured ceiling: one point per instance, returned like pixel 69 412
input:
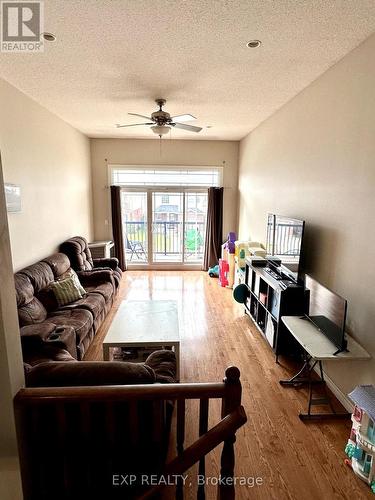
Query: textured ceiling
pixel 116 56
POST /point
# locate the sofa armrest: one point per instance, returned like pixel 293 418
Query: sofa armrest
pixel 37 333
pixel 112 263
pixel 95 276
pixel 40 335
pixel 163 363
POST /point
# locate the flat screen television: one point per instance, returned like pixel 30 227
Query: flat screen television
pixel 327 311
pixel 284 242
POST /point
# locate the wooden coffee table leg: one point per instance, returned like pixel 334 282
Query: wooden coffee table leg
pixel 105 353
pixel 177 354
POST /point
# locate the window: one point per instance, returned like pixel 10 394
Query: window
pixel 371 431
pixel 165 199
pixel 357 414
pixel 165 176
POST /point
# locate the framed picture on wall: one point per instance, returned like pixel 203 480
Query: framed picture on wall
pixel 13 197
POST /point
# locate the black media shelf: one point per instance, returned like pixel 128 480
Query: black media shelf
pixel 270 299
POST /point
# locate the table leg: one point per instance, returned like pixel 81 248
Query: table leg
pixel 105 352
pixel 320 401
pixel 303 376
pixel 177 354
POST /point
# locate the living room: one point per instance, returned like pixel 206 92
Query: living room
pixel 284 102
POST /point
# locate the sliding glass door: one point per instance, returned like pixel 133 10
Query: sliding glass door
pixel 167 226
pixel 195 226
pixel 164 226
pixel 135 227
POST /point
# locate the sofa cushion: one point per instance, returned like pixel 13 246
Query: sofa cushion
pixel 89 373
pixel 70 273
pixel 24 289
pixel 59 264
pixel 80 319
pixel 39 274
pixel 78 252
pixel 66 291
pixel 48 299
pixel 93 302
pixel 104 289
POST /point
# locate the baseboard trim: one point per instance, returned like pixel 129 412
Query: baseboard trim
pixel 164 267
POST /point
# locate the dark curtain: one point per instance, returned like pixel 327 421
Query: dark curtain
pixel 117 226
pixel 214 228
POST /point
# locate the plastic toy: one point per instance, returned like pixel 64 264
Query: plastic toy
pixel 360 448
pixel 223 272
pixel 240 293
pixel 241 252
pixel 213 272
pixel 229 245
pixel 193 240
pixel 227 253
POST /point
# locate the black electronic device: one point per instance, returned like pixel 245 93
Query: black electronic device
pixel 327 311
pixel 284 245
pixel 273 261
pixel 258 261
pixel 275 275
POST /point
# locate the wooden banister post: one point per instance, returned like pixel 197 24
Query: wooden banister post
pixel 233 390
pixel 231 401
pixel 181 409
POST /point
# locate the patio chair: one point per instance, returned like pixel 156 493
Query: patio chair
pixel 135 247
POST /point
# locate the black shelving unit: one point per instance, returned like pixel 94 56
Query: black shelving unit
pixel 270 299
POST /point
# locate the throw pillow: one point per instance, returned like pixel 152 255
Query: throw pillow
pixel 72 274
pixel 66 291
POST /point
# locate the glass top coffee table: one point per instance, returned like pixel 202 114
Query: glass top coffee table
pixel 145 324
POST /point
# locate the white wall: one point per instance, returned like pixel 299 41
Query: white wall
pixel 315 159
pixel 174 152
pixel 50 160
pixel 11 368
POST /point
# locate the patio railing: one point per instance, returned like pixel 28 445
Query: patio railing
pixel 167 236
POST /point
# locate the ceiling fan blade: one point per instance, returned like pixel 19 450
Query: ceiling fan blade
pixel 183 118
pixel 133 125
pixel 190 128
pixel 142 116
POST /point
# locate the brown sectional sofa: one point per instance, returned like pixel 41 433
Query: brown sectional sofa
pixel 72 327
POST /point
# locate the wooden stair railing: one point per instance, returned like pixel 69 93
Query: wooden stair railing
pixel 30 402
pixel 221 432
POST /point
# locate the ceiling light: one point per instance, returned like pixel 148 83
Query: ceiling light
pixel 160 130
pixel 49 37
pixel 254 44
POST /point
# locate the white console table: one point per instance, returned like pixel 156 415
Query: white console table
pixel 318 348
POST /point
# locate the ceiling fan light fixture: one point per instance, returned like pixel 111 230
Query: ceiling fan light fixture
pixel 160 130
pixel 254 44
pixel 49 37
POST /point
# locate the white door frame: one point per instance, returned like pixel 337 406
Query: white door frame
pixel 184 266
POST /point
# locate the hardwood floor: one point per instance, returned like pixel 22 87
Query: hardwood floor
pixel 294 460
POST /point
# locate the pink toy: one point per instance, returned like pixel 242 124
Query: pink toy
pixel 223 272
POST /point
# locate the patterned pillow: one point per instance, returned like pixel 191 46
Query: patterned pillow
pixel 66 291
pixel 72 274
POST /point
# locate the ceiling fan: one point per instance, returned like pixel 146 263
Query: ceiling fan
pixel 162 122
